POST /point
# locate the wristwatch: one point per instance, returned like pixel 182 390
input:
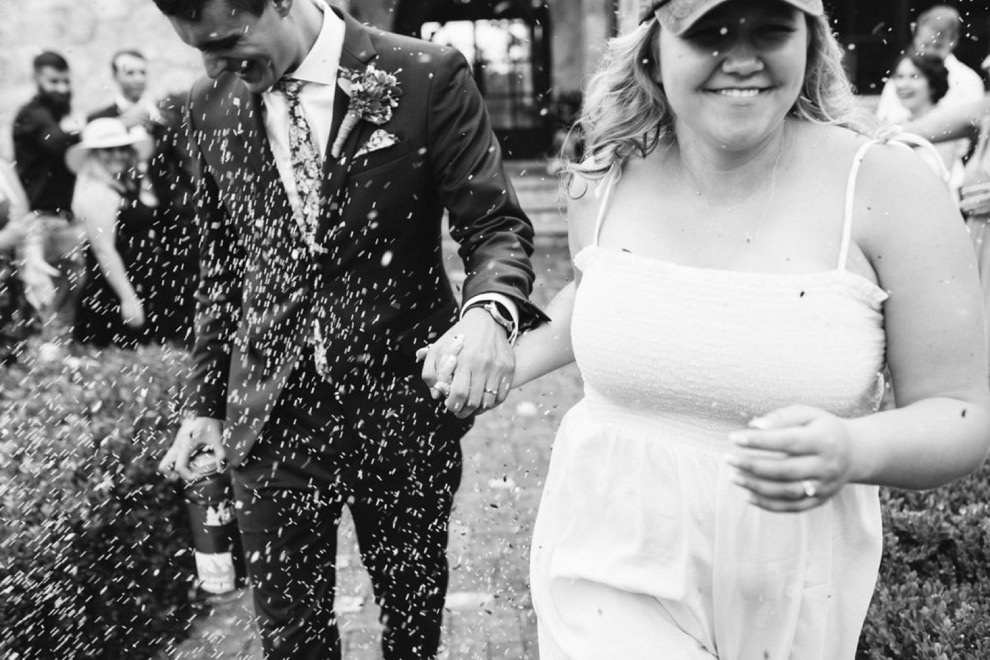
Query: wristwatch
pixel 501 316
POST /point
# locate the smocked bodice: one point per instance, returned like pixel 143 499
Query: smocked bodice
pixel 716 348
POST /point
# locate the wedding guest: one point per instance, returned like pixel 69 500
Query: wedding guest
pixel 117 213
pixel 130 104
pixel 25 278
pixel 921 81
pixel 936 33
pixel 43 130
pixel 169 302
pixel 747 266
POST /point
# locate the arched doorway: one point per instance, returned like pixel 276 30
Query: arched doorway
pixel 507 43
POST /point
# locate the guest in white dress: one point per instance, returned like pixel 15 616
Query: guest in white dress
pixel 748 265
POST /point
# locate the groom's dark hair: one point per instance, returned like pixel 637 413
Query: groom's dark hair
pixel 191 10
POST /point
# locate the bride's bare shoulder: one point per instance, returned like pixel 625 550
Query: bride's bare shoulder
pixel 583 192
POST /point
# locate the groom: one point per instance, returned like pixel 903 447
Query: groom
pixel 328 153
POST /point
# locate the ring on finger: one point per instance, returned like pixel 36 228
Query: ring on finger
pixel 810 487
pixel 489 390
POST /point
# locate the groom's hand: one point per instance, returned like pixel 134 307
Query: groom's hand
pixel 472 364
pixel 196 434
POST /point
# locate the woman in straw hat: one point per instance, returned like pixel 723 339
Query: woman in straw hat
pixel 117 212
pixel 748 266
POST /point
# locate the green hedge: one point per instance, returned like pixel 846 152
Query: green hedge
pixel 933 597
pixel 95 557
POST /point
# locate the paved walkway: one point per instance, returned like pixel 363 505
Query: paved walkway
pixel 489 614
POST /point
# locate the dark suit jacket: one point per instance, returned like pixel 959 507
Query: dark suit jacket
pixel 39 149
pixel 111 111
pixel 382 280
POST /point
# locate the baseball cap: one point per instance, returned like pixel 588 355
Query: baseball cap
pixel 676 16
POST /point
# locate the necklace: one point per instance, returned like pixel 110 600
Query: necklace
pixel 749 237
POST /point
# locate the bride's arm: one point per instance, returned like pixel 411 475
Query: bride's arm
pixel 547 347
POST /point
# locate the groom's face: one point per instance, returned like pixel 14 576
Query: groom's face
pixel 236 40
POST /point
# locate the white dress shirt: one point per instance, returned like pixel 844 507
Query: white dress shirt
pixel 124 104
pixel 319 70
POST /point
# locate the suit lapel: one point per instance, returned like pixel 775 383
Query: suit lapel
pixel 357 52
pixel 247 141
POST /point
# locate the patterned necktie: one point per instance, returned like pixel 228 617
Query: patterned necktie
pixel 306 167
pixel 307 171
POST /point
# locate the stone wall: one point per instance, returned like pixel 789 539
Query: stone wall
pixel 87 33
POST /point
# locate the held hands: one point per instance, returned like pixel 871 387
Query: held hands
pixel 132 312
pixel 803 457
pixel 39 290
pixel 194 434
pixel 471 364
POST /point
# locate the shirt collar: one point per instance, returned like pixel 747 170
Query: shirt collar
pixel 321 63
pixel 123 103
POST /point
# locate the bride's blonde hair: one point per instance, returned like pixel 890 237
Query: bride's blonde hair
pixel 626 113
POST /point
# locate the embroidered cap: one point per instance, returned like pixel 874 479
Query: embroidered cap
pixel 676 16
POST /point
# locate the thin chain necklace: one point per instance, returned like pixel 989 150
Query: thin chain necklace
pixel 772 181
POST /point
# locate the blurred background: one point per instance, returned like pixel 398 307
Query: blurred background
pixel 531 57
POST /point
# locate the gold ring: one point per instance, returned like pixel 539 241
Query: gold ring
pixel 491 391
pixel 809 487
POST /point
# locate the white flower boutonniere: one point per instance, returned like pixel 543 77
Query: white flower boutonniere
pixel 373 95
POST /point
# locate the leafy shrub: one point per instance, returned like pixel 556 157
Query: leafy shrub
pixel 932 601
pixel 94 545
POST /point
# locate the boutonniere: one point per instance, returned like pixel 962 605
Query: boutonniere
pixel 373 95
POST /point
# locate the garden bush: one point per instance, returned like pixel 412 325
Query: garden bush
pixel 95 557
pixel 932 601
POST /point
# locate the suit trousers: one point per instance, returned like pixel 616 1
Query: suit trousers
pixel 316 454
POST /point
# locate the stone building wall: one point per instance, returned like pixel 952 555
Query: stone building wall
pixel 87 33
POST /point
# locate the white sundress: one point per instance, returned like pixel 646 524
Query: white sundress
pixel 643 547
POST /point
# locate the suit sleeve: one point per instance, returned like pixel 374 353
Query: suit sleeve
pixel 494 234
pixel 40 127
pixel 218 300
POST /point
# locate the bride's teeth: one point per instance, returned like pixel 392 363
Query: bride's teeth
pixel 739 93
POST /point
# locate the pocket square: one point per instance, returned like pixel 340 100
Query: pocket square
pixel 380 139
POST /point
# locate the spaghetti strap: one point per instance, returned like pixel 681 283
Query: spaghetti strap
pixel 611 178
pixel 907 140
pixel 850 203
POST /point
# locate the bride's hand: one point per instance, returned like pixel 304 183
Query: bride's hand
pixel 793 459
pixel 132 311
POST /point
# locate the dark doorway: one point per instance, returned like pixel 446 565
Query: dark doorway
pixel 507 43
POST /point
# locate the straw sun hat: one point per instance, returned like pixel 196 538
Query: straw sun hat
pixel 104 133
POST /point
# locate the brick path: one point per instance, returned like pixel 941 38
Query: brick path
pixel 489 614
